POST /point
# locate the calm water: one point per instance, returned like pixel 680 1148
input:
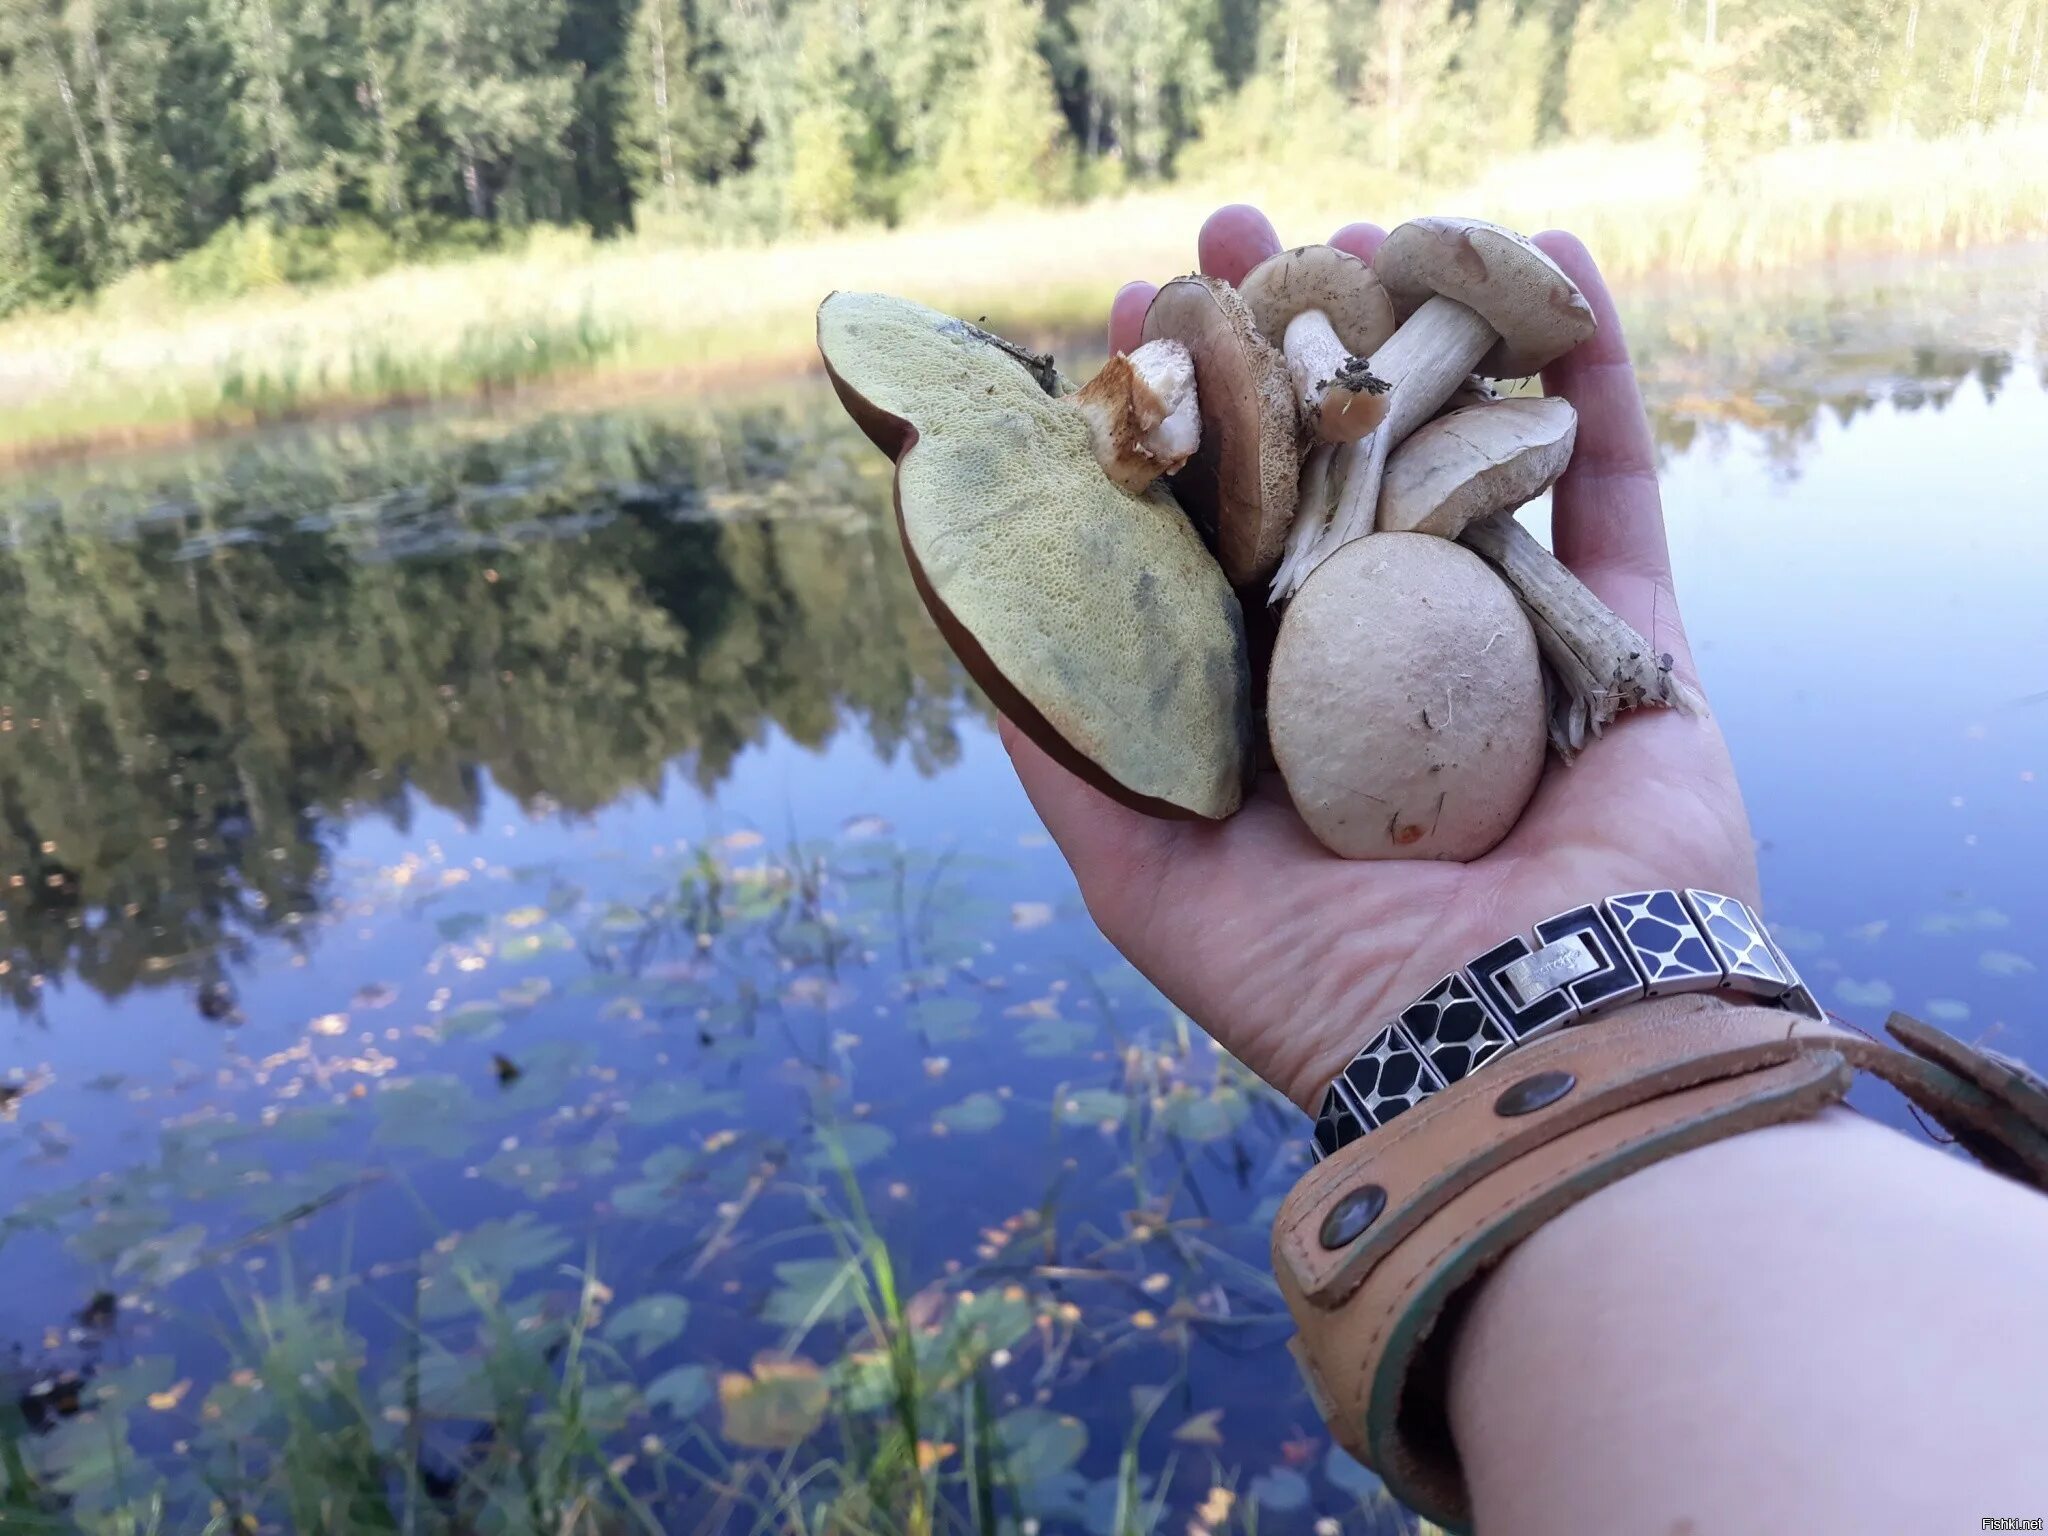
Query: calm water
pixel 441 859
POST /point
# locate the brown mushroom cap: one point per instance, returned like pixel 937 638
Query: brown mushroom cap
pixel 1093 618
pixel 1325 278
pixel 1538 311
pixel 1405 701
pixel 1474 462
pixel 1240 485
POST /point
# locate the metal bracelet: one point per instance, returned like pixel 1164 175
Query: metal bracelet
pixel 1584 962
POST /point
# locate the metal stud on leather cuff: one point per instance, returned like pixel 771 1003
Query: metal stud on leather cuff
pixel 1584 962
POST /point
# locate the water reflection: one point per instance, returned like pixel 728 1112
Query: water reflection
pixel 203 673
pixel 215 659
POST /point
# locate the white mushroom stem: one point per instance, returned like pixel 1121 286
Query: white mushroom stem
pixel 1601 665
pixel 1341 399
pixel 1425 362
pixel 1142 412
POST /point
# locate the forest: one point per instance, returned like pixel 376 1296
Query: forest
pixel 249 142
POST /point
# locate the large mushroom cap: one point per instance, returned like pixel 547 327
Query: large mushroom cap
pixel 1474 462
pixel 1240 485
pixel 1405 701
pixel 1538 311
pixel 1325 278
pixel 1093 618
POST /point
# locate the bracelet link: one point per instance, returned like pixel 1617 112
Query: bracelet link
pixel 1638 945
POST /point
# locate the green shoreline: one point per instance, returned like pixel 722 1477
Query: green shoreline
pixel 598 322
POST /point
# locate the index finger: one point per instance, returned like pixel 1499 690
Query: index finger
pixel 1606 516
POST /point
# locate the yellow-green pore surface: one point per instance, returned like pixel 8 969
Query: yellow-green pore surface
pixel 1103 610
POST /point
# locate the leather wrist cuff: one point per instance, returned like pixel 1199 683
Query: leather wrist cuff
pixel 1376 1245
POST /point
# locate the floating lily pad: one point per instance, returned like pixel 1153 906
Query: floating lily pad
pixel 976 1112
pixel 1090 1106
pixel 682 1391
pixel 648 1323
pixel 535 942
pixel 673 1098
pixel 472 1021
pixel 1038 1444
pixel 773 1407
pixel 1196 1116
pixel 812 1291
pixel 1282 1489
pixel 1056 1037
pixel 433 1114
pixel 490 1255
pixel 859 1144
pixel 946 1018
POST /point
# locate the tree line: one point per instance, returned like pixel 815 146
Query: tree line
pixel 302 138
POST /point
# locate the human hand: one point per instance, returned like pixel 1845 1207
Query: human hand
pixel 1292 957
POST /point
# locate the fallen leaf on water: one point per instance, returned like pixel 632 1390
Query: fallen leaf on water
pixel 526 917
pixel 170 1397
pixel 1204 1428
pixel 929 1455
pixel 741 840
pixel 330 1024
pixel 775 1406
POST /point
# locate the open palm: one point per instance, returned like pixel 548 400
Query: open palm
pixel 1291 956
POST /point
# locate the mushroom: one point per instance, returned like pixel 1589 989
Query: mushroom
pixel 1142 414
pixel 1405 702
pixel 1090 615
pixel 1328 313
pixel 1474 462
pixel 1461 477
pixel 1240 485
pixel 1473 295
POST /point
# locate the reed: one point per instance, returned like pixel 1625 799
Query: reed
pixel 612 316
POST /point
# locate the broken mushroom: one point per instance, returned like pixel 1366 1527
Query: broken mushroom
pixel 1405 702
pixel 1474 295
pixel 1239 486
pixel 1327 312
pixel 1090 615
pixel 1142 413
pixel 1461 477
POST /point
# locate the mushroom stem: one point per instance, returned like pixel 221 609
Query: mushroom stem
pixel 1143 416
pixel 1425 362
pixel 1341 399
pixel 1602 665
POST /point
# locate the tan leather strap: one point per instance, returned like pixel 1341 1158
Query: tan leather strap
pixel 1456 1184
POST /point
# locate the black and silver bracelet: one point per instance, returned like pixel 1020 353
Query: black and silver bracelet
pixel 1584 962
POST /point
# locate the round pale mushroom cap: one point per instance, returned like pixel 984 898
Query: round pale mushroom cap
pixel 1405 701
pixel 1093 618
pixel 1240 485
pixel 1320 277
pixel 1474 462
pixel 1538 311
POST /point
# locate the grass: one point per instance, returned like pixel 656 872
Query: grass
pixel 618 315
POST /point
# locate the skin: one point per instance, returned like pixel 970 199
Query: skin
pixel 1798 1320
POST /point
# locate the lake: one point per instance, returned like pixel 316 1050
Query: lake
pixel 537 1002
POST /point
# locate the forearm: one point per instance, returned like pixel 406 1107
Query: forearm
pixel 1820 1326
